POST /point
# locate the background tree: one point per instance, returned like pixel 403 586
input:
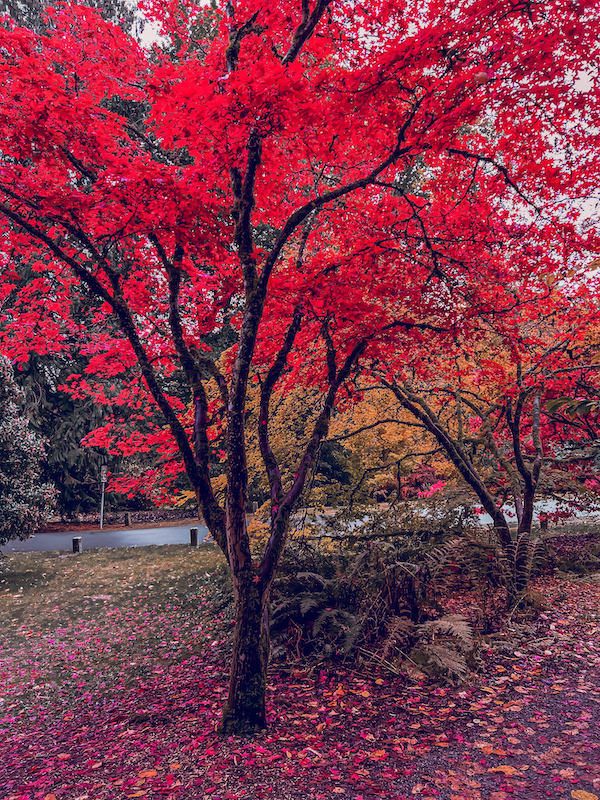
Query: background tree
pixel 396 156
pixel 25 502
pixel 62 422
pixel 390 459
pixel 33 13
pixel 52 358
pixel 486 406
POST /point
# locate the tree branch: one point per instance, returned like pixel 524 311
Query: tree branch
pixel 298 217
pixel 279 523
pixel 500 167
pixel 242 212
pixel 127 324
pixel 211 510
pixel 269 460
pixel 306 28
pixel 455 452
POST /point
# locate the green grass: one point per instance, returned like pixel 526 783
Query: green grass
pixel 105 618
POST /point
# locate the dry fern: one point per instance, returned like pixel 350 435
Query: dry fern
pixel 400 631
pixel 440 660
pixel 453 625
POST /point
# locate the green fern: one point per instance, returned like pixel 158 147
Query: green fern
pixel 349 601
pixel 352 635
pixel 313 576
pixel 308 603
pixel 520 560
pixel 338 619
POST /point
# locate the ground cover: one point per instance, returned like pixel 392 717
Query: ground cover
pixel 114 669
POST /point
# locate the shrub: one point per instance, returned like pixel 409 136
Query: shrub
pixel 377 601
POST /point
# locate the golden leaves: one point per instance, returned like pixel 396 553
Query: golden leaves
pixel 506 769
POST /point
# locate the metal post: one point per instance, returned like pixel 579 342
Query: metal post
pixel 103 476
pixel 77 544
pixel 194 537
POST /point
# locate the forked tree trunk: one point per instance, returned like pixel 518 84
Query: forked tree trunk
pixel 245 709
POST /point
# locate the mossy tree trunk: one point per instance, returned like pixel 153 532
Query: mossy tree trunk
pixel 245 709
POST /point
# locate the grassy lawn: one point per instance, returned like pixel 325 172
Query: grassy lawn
pixel 100 621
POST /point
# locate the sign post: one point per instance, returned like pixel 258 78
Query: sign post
pixel 103 477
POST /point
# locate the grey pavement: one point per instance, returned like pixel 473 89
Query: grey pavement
pixel 138 537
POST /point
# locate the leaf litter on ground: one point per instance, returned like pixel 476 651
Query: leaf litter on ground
pixel 115 666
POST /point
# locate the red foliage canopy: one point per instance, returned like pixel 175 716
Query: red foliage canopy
pixel 340 183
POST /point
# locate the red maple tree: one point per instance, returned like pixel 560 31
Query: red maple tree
pixel 491 408
pixel 339 184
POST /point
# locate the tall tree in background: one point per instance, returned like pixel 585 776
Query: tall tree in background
pixel 63 421
pixel 25 501
pixel 343 185
pixel 32 14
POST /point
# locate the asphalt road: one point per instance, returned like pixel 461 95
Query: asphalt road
pixel 138 537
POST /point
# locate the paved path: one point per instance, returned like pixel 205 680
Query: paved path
pixel 129 537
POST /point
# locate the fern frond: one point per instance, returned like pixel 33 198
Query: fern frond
pixel 335 616
pixel 327 615
pixel 399 631
pixel 438 558
pixel 313 576
pixel 283 607
pixel 454 625
pixel 407 566
pixel 352 636
pixel 538 554
pixel 308 603
pixel 446 659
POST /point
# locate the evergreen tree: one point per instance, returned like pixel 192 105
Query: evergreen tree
pixel 25 502
pixel 62 422
pixel 32 13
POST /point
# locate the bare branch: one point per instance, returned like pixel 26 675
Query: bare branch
pixel 386 421
pixel 501 169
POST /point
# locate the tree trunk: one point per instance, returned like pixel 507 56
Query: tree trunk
pixel 245 709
